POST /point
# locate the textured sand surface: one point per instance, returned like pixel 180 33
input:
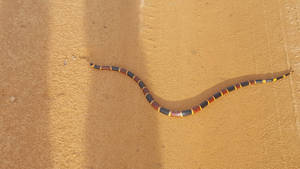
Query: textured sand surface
pixel 57 112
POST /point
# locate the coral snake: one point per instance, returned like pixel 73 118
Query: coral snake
pixel 194 109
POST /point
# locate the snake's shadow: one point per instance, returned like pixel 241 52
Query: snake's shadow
pixel 196 100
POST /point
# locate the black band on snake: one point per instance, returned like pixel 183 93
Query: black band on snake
pixel 194 109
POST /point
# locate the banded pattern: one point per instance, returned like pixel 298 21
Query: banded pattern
pixel 194 109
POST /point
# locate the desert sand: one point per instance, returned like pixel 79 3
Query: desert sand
pixel 57 112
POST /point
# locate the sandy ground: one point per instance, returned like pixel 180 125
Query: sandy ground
pixel 56 112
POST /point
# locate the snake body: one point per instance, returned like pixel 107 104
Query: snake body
pixel 194 109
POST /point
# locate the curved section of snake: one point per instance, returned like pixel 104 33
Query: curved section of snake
pixel 194 109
